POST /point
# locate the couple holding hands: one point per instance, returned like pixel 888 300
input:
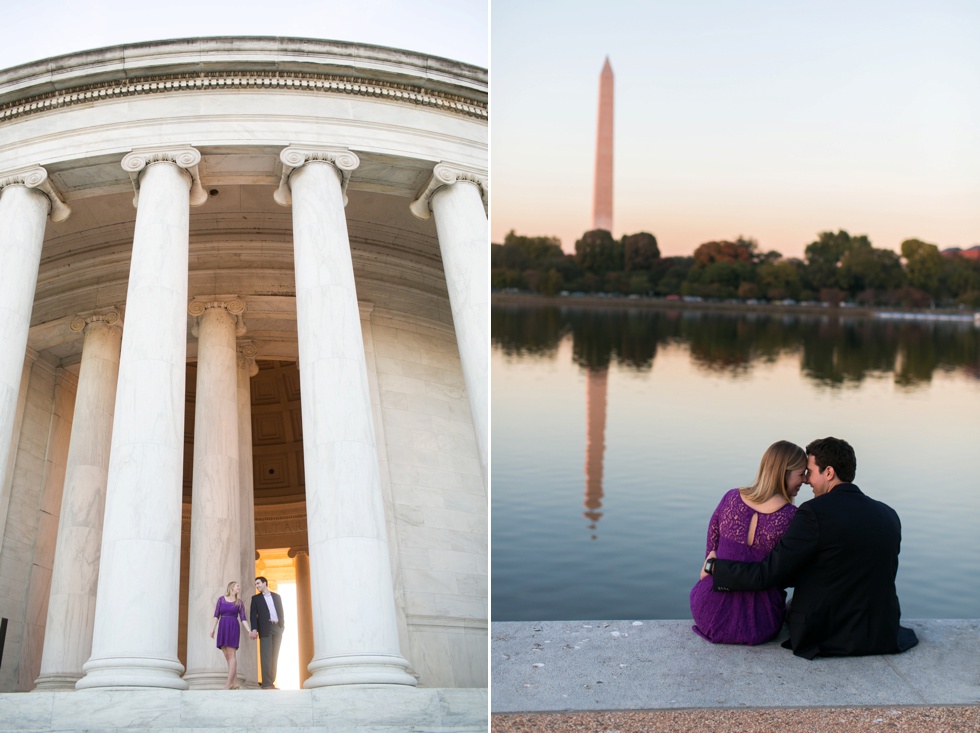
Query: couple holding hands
pixel 839 551
pixel 266 618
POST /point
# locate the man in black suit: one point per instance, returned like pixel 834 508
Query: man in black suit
pixel 840 552
pixel 265 616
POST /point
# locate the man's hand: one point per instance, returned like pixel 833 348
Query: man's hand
pixel 253 635
pixel 704 574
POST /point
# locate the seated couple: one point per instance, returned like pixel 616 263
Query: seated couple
pixel 839 551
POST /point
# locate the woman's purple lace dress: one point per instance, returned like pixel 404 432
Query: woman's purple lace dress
pixel 228 614
pixel 740 617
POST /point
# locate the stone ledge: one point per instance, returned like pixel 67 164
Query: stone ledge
pixel 344 708
pixel 662 665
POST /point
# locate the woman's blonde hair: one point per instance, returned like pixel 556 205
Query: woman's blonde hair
pixel 780 458
pixel 228 589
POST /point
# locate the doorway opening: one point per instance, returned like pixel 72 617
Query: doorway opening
pixel 278 568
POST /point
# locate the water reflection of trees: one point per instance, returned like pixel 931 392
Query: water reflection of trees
pixel 521 331
pixel 600 337
pixel 834 351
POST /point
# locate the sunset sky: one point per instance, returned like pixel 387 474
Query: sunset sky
pixel 771 120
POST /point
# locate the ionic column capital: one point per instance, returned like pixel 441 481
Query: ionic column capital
pixel 294 157
pixel 110 317
pixel 235 307
pixel 246 357
pixel 36 177
pixel 446 174
pixel 294 551
pixel 186 158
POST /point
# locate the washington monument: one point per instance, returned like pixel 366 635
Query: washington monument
pixel 602 202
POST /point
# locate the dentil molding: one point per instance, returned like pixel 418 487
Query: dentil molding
pixel 238 81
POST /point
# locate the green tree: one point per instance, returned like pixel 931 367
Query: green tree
pixel 959 276
pixel 639 283
pixel 540 251
pixel 780 279
pixel 923 266
pixel 503 279
pixel 508 257
pixel 640 251
pixel 597 252
pixel 971 299
pixel 553 282
pixel 824 256
pixel 669 274
pixel 865 268
pixel 720 279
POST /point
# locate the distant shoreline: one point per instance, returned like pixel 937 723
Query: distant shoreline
pixel 644 303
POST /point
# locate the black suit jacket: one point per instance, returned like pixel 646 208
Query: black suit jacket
pixel 258 614
pixel 840 552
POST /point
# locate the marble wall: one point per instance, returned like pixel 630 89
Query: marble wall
pixel 438 510
pixel 31 526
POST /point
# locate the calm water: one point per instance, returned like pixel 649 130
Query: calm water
pixel 615 434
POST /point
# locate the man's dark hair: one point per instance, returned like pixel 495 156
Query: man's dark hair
pixel 837 453
pixel 262 578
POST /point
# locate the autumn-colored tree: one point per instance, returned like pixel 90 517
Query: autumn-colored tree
pixel 724 251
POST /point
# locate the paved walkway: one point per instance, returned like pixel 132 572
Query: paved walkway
pixel 557 666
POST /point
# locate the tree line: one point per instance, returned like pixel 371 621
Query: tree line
pixel 836 267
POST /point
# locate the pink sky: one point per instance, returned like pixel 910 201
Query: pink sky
pixel 761 119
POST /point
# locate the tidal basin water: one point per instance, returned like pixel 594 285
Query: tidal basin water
pixel 616 432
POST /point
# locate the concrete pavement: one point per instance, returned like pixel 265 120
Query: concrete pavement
pixel 554 666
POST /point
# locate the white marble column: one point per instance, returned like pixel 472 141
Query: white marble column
pixel 135 639
pixel 455 196
pixel 26 199
pixel 247 659
pixel 354 625
pixel 215 523
pixel 304 610
pixel 74 579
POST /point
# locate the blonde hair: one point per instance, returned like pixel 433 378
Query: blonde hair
pixel 228 589
pixel 780 458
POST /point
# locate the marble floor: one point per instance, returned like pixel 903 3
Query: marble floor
pixel 325 710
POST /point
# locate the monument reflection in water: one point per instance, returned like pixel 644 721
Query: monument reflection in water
pixel 663 411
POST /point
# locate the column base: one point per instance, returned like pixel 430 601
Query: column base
pixel 56 681
pixel 359 669
pixel 210 680
pixel 129 672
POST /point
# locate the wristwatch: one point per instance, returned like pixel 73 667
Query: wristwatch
pixel 709 566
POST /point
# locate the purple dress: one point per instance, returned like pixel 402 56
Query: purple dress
pixel 228 613
pixel 740 617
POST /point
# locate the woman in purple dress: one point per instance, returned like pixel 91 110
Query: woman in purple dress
pixel 747 525
pixel 228 613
